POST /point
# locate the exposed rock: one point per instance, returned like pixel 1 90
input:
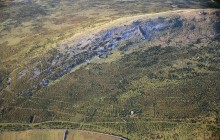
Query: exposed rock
pixel 121 37
pixel 203 13
pixel 36 73
pixel 102 43
pixel 8 82
pixel 45 82
pixel 174 6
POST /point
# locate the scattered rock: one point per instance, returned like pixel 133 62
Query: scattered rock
pixel 29 92
pixel 45 82
pixel 203 13
pixel 8 82
pixel 104 42
pixel 36 73
pixel 174 6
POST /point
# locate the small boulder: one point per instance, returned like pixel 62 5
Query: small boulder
pixel 8 82
pixel 45 82
pixel 174 6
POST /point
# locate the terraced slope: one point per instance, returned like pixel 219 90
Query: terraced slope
pixel 149 76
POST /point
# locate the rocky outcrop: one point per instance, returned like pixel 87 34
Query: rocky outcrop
pixel 178 30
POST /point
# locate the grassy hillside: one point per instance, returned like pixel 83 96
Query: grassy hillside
pixel 29 27
pixel 148 76
pixel 172 90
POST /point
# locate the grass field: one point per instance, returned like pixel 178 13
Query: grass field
pixel 55 135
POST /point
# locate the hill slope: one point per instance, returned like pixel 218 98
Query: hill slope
pixel 141 77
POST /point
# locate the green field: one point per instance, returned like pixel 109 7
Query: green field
pixel 55 135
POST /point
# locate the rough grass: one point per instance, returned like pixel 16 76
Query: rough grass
pixel 101 96
pixel 172 86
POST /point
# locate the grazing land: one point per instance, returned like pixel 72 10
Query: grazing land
pixel 56 135
pixel 135 69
